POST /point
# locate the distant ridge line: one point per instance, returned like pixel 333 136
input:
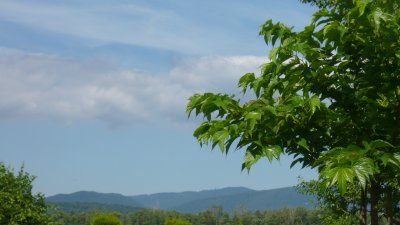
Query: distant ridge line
pixel 229 198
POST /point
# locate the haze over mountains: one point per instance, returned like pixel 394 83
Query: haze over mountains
pixel 231 199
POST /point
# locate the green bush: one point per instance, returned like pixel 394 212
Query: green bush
pixel 18 206
pixel 175 221
pixel 105 219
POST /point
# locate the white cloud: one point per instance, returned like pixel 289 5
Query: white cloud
pixel 49 87
pixel 214 73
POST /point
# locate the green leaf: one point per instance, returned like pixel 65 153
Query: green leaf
pixel 266 30
pixel 364 169
pixel 334 32
pixel 315 103
pixel 245 80
pixel 219 138
pixel 397 156
pixel 361 5
pixel 253 116
pixel 376 17
pixel 383 101
pixel 270 109
pixel 193 102
pixel 339 176
pixel 272 151
pixel 303 144
pixel 250 160
pixel 320 14
pixel 273 54
pixel 203 128
pixel 397 55
pixel 376 144
pixel 390 159
pixel 296 101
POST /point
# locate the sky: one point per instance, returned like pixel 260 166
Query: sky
pixel 93 92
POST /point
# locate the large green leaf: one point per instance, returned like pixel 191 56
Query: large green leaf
pixel 339 176
pixel 376 144
pixel 390 159
pixel 364 169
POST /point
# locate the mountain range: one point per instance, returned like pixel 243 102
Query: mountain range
pixel 230 199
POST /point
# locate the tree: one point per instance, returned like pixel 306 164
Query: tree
pixel 18 206
pixel 329 97
pixel 320 3
pixel 176 221
pixel 105 219
pixel 335 208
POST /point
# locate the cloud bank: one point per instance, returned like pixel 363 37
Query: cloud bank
pixel 39 86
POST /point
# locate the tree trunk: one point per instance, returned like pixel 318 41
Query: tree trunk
pixel 389 205
pixel 363 207
pixel 375 188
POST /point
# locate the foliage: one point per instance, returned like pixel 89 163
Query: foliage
pixel 329 96
pixel 285 216
pixel 71 217
pixel 324 89
pixel 92 206
pixel 175 221
pixel 330 199
pixel 340 208
pixel 18 206
pixel 319 3
pixel 105 219
pixel 337 208
pixel 344 219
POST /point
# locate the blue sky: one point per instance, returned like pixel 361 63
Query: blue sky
pixel 93 93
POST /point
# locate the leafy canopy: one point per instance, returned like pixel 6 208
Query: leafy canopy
pixel 329 95
pixel 18 206
pixel 320 3
pixel 176 221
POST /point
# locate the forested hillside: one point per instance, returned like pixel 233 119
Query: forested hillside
pixel 230 199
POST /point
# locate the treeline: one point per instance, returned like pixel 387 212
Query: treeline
pixel 86 207
pixel 213 216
